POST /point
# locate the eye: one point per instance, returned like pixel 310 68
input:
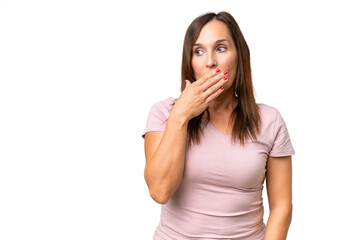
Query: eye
pixel 198 52
pixel 222 49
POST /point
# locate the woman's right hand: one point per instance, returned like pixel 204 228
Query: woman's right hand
pixel 196 96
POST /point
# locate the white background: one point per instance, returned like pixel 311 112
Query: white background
pixel 79 77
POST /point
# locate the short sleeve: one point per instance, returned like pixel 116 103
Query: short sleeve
pixel 282 145
pixel 158 115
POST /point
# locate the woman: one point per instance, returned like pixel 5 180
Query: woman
pixel 209 151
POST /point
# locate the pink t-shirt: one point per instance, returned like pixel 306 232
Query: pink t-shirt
pixel 220 195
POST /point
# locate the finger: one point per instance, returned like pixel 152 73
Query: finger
pixel 213 89
pixel 214 80
pixel 214 95
pixel 204 78
pixel 187 83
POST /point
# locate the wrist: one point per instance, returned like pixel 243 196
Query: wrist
pixel 180 119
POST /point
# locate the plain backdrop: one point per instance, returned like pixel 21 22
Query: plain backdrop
pixel 78 78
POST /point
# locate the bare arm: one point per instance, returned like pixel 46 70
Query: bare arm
pixel 165 151
pixel 279 190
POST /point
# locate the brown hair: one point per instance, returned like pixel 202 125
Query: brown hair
pixel 246 113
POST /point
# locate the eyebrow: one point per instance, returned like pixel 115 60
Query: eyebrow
pixel 217 42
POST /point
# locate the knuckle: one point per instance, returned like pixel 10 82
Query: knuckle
pixel 214 88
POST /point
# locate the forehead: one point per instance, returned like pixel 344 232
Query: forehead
pixel 213 31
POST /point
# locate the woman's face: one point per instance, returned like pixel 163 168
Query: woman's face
pixel 213 49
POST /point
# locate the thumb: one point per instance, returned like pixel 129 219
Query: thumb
pixel 187 83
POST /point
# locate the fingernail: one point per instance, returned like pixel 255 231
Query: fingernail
pixel 185 82
pixel 217 70
pixel 225 72
pixel 225 78
pixel 222 88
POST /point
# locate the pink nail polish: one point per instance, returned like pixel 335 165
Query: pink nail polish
pixel 225 78
pixel 225 72
pixel 222 88
pixel 185 82
pixel 217 70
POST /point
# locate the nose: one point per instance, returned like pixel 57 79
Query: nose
pixel 211 61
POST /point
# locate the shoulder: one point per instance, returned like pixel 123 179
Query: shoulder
pixel 267 112
pixel 162 107
pixel 165 105
pixel 167 102
pixel 272 117
pixel 277 134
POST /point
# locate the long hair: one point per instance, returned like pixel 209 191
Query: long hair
pixel 246 113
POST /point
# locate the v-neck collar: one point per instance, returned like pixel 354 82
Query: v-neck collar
pixel 217 130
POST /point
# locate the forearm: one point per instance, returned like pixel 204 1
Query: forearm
pixel 278 223
pixel 164 171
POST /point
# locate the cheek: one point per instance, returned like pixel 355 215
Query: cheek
pixel 230 62
pixel 197 68
pixel 231 66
